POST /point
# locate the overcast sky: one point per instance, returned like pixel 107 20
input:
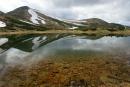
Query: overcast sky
pixel 109 10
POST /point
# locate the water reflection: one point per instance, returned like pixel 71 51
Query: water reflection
pixel 27 43
pixel 15 49
pixel 81 45
pixel 13 56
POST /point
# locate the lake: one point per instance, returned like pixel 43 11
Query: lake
pixel 62 60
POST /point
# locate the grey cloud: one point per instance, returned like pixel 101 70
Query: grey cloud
pixel 109 10
pixel 63 13
pixel 71 3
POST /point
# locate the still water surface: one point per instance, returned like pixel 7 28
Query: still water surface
pixel 15 49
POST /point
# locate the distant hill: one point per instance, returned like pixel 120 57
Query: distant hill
pixel 96 23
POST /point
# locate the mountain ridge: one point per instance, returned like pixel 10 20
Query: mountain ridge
pixel 26 17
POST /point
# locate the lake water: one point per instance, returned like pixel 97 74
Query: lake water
pixel 18 47
pixel 29 49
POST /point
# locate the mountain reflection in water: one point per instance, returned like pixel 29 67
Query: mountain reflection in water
pixel 40 46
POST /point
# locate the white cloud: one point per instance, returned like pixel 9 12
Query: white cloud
pixel 111 11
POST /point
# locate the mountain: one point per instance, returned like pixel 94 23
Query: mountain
pixel 1 13
pixel 2 20
pixel 26 18
pixel 37 18
pixel 101 24
pixel 96 23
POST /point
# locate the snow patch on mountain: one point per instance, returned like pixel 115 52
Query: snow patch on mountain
pixel 27 22
pixel 42 20
pixel 72 28
pixel 76 22
pixel 35 18
pixel 3 41
pixel 2 24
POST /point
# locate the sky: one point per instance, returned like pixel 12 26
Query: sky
pixel 108 10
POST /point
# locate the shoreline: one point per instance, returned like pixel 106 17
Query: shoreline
pixel 98 32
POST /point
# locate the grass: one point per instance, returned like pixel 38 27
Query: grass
pixel 89 32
